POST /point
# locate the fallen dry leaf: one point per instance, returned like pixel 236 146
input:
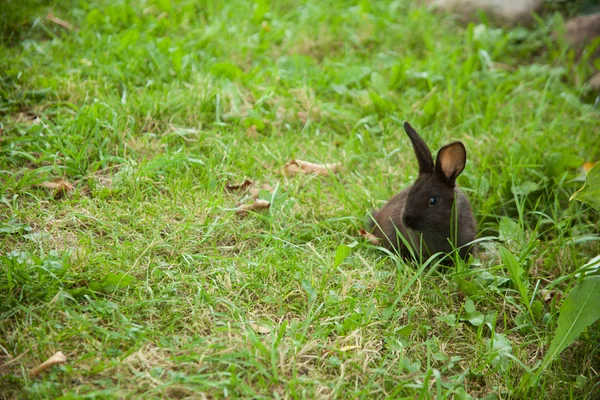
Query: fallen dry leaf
pixel 295 167
pixel 588 165
pixel 252 132
pixel 230 187
pixel 260 329
pixel 303 116
pixel 280 113
pixel 61 22
pixel 59 186
pixel 369 236
pixel 255 192
pixel 26 117
pixel 57 358
pixel 149 125
pixel 548 295
pixel 257 205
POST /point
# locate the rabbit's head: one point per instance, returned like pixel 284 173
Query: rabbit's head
pixel 431 204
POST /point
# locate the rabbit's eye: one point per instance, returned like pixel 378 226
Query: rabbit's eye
pixel 433 201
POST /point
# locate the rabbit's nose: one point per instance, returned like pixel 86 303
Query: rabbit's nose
pixel 409 220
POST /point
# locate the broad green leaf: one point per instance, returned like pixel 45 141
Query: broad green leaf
pixel 129 37
pixel 537 308
pixel 405 331
pixel 164 5
pixel 261 8
pixel 227 70
pixel 310 290
pixel 352 74
pixel 508 229
pixel 474 317
pixel 176 59
pixel 581 381
pixel 112 282
pixel 116 281
pixel 378 83
pixel 449 319
pixel 579 310
pixel 256 120
pixel 380 103
pixel 467 287
pixel 469 306
pixel 410 366
pixel 557 163
pixel 525 188
pixel 13 226
pixel 501 348
pixel 515 272
pixel 341 253
pixel 388 312
pixel 351 322
pixel 490 320
pixel 590 192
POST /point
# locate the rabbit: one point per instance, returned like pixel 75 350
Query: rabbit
pixel 424 212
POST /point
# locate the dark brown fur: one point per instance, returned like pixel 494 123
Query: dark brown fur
pixel 429 229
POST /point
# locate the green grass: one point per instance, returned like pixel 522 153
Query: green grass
pixel 151 285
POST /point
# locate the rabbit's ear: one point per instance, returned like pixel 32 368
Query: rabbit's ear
pixel 450 162
pixel 421 150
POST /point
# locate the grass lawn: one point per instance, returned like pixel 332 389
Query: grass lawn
pixel 148 281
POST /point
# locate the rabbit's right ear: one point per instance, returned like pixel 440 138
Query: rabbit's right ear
pixel 451 160
pixel 421 150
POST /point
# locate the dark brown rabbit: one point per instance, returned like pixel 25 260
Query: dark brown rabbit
pixel 424 213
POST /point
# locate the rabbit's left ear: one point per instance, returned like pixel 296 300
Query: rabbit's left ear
pixel 422 152
pixel 450 162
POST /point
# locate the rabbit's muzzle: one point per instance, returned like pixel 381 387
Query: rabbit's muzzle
pixel 411 221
